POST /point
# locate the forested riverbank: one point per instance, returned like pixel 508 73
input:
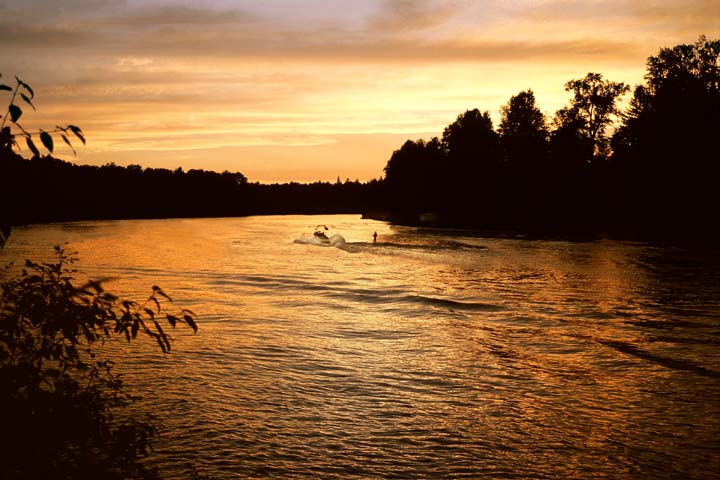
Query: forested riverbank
pixel 647 170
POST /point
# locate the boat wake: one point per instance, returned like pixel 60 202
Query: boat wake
pixel 337 241
pixel 388 248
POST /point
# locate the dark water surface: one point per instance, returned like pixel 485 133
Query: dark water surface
pixel 425 355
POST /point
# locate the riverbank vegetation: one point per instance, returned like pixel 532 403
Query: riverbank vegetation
pixel 57 190
pixel 646 170
pixel 65 409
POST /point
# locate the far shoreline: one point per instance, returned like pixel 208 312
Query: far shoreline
pixel 432 225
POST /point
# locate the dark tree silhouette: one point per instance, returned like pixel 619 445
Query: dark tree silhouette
pixel 666 148
pixel 471 142
pixel 523 132
pixel 524 140
pixel 411 176
pixel 591 110
pixel 55 190
pixel 473 165
pixel 579 149
pixel 656 176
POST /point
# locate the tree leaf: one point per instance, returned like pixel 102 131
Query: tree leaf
pixel 172 320
pixel 65 139
pixel 25 97
pixel 190 321
pixel 31 146
pixel 159 329
pixel 27 87
pixel 15 112
pixel 5 87
pixel 160 292
pixel 160 342
pixel 78 133
pixel 46 140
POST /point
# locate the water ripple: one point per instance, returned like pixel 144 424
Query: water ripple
pixel 430 354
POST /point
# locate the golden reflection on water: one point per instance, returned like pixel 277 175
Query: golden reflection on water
pixel 426 354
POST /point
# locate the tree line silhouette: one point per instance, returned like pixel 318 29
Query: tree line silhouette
pixel 655 174
pixel 46 189
pixel 650 169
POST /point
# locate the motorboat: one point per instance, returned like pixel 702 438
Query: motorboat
pixel 321 233
pixel 322 237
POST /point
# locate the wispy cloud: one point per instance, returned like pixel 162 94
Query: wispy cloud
pixel 634 19
pixel 191 32
pixel 402 16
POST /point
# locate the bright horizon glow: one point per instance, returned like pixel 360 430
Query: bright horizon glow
pixel 286 90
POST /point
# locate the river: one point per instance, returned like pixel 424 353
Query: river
pixel 429 354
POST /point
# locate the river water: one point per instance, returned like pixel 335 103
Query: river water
pixel 429 354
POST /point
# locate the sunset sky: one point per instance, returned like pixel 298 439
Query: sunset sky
pixel 311 90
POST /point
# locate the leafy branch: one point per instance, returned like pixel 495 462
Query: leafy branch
pixel 13 114
pixel 63 404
